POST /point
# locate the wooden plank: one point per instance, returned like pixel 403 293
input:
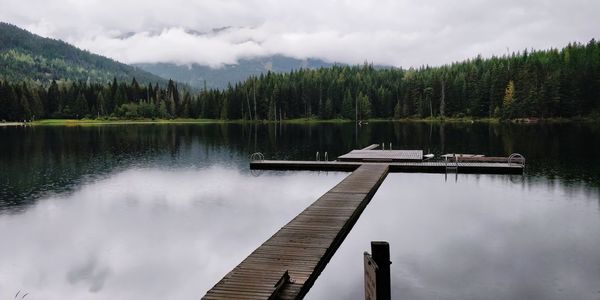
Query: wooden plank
pixel 304 246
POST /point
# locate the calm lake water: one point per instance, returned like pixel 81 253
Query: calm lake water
pixel 164 211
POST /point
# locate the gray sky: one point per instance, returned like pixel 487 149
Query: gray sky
pixel 400 33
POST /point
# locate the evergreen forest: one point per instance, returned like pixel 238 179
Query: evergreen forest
pixel 554 83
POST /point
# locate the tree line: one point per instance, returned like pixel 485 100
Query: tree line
pixel 549 83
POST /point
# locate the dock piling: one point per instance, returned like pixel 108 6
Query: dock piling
pixel 380 252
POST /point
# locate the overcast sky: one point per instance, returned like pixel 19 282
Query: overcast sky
pixel 400 33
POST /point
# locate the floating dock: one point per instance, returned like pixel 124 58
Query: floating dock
pixel 287 264
pixel 394 167
pixel 405 161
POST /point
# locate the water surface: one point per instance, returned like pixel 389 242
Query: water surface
pixel 164 211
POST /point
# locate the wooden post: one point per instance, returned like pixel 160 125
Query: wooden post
pixel 381 255
pixel 370 277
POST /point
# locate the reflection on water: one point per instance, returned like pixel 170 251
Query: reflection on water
pixel 163 212
pixel 37 161
pixel 481 238
pixel 147 233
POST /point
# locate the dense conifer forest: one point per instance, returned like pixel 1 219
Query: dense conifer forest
pixel 545 84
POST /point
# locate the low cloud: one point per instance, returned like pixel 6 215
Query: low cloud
pixel 399 33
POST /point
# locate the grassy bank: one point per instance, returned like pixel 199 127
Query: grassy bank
pixel 491 120
pixel 440 120
pixel 92 122
pixel 11 124
pixel 84 122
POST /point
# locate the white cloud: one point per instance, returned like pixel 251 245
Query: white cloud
pixel 401 33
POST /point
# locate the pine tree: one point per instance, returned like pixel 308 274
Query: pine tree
pixel 443 99
pixel 80 107
pixel 120 97
pixel 186 104
pixel 224 113
pixel 328 109
pixel 428 92
pixel 171 105
pixel 398 111
pixel 101 102
pixel 508 99
pixel 4 102
pixel 348 106
pixel 13 110
pixel 364 106
pixel 162 110
pixel 52 99
pixel 36 106
pixel 24 111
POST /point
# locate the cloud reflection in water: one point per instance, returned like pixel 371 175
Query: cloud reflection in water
pixel 148 233
pixel 480 238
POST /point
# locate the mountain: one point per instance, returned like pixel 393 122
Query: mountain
pixel 25 56
pixel 195 75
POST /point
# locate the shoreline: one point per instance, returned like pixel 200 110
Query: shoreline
pixel 308 121
pixel 9 124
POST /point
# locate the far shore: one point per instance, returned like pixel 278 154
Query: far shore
pixel 94 122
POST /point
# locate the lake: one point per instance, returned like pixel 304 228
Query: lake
pixel 165 211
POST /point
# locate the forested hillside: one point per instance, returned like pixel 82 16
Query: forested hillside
pixel 26 56
pixel 552 83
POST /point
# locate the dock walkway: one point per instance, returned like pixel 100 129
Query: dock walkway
pixel 287 264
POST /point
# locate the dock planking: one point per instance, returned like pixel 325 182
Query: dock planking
pixel 366 155
pixel 288 263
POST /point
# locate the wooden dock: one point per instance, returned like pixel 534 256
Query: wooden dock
pixel 287 264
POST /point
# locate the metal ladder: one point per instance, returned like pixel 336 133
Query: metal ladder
pixel 257 156
pixel 450 166
pixel 516 156
pixel 318 158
